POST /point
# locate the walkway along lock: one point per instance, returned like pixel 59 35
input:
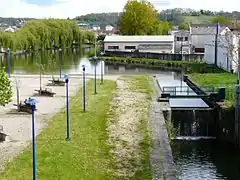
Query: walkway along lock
pixel 101 67
pixel 84 88
pixel 9 62
pixel 33 102
pixel 67 108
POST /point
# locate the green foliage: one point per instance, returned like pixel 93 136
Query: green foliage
pixel 184 26
pixel 216 80
pixel 188 67
pixel 141 18
pixel 5 88
pixel 221 20
pixel 43 34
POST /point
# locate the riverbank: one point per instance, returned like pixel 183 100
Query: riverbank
pixel 216 80
pixel 110 141
pixel 187 67
pixel 18 126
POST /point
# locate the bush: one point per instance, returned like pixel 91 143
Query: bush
pixel 5 88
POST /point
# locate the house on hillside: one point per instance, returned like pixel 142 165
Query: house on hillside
pixel 109 28
pixel 10 29
pixel 152 44
pixel 96 27
pixel 227 50
pixel 201 33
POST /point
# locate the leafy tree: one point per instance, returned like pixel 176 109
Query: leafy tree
pixel 5 88
pixel 184 26
pixel 221 20
pixel 140 18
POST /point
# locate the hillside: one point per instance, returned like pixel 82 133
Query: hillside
pixel 174 16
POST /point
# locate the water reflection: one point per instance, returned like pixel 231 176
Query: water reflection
pixel 200 160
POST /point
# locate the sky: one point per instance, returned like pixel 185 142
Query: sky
pixel 73 8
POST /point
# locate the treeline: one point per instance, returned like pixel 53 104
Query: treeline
pixel 174 16
pixel 45 34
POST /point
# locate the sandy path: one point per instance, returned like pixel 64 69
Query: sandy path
pixel 18 127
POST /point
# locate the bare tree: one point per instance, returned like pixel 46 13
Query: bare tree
pixel 18 84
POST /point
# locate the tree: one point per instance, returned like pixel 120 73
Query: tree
pixel 140 18
pixel 5 88
pixel 221 20
pixel 184 26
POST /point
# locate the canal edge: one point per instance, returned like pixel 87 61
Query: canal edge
pixel 161 158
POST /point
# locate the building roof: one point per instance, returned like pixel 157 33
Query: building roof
pixel 166 38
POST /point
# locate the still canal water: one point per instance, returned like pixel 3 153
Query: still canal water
pixel 195 160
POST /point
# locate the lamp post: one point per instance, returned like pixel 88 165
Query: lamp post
pixel 9 64
pixel 84 88
pixel 102 68
pixel 95 74
pixel 67 108
pixel 32 102
pixel 60 59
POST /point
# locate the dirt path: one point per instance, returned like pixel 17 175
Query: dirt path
pixel 18 127
pixel 128 109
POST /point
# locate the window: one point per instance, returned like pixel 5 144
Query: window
pixel 130 47
pixel 186 38
pixel 113 47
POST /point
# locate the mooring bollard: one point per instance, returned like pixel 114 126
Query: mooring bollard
pixel 32 102
pixel 67 108
pixel 84 88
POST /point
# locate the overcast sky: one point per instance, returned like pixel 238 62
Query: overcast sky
pixel 72 8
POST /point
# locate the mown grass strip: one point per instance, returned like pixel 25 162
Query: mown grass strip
pixel 86 156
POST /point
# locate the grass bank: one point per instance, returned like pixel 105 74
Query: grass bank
pixel 86 156
pixel 188 67
pixel 128 128
pixel 216 80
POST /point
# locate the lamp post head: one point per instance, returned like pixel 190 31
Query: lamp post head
pixel 60 49
pixel 32 102
pixel 83 68
pixel 66 78
pixel 95 58
pixel 8 50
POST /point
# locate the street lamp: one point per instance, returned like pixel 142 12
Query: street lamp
pixel 8 58
pixel 67 108
pixel 102 53
pixel 32 102
pixel 84 88
pixel 60 59
pixel 95 74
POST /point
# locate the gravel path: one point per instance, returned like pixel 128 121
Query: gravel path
pixel 161 155
pixel 18 127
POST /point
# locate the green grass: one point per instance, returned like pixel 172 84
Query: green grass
pixel 227 80
pixel 143 84
pixel 203 19
pixel 85 156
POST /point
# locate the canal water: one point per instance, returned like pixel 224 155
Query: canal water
pixel 195 160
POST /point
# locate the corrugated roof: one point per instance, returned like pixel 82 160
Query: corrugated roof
pixel 162 38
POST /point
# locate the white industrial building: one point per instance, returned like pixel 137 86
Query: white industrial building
pixel 227 51
pixel 154 44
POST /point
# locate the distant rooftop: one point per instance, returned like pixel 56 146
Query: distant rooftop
pixel 205 28
pixel 166 38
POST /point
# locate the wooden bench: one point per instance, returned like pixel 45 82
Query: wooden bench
pixel 24 107
pixel 57 82
pixel 45 92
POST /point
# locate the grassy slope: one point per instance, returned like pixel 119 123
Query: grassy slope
pixel 198 19
pixel 217 80
pixel 85 156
